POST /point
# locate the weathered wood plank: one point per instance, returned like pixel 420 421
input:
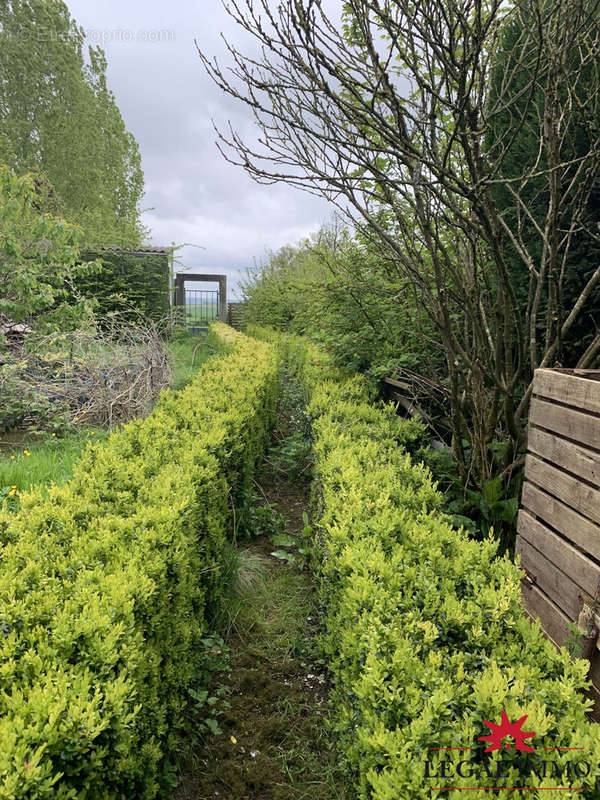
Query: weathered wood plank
pixel 576 425
pixel 551 580
pixel 572 492
pixel 590 374
pixel 584 572
pixel 553 620
pixel 554 624
pixel 594 695
pixel 570 389
pixel 572 457
pixel 579 530
pixel 398 384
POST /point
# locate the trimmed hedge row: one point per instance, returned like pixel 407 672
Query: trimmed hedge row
pixel 425 632
pixel 105 585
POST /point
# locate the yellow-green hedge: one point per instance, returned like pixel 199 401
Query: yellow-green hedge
pixel 425 631
pixel 104 586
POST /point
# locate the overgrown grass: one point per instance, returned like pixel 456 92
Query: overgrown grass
pixel 188 353
pixel 48 460
pixel 274 742
pixel 275 612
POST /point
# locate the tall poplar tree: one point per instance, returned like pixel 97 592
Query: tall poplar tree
pixel 59 118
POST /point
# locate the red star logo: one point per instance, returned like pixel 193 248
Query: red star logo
pixel 507 728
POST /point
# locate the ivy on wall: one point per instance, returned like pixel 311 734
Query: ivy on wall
pixel 129 282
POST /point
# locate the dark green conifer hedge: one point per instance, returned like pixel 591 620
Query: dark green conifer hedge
pixel 128 282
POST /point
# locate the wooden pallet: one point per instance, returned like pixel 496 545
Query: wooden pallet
pixel 559 519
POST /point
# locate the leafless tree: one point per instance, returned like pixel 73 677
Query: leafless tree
pixel 389 114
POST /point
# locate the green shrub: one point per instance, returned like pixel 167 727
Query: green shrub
pixel 107 582
pixel 425 632
pixel 128 282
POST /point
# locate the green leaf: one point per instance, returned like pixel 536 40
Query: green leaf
pixel 283 540
pixel 460 521
pixel 282 555
pixel 213 726
pixel 492 490
pixel 506 510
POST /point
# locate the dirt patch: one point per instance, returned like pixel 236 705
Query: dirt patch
pixel 289 498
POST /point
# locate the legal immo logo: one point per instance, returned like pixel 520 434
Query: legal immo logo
pixel 495 773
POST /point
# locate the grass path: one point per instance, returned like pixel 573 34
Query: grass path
pixel 274 743
pixel 188 353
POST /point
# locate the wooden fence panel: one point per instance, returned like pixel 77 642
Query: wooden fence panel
pixel 571 490
pixel 573 457
pixel 559 521
pixel 539 606
pixel 234 314
pixel 582 532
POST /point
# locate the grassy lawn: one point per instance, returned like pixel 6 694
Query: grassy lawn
pixel 27 461
pixel 47 460
pixel 201 313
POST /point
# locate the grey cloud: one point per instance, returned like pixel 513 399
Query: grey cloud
pixel 167 101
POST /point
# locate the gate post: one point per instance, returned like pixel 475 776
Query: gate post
pixel 180 290
pixel 223 298
pixel 179 299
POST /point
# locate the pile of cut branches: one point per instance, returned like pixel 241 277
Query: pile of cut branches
pixel 101 374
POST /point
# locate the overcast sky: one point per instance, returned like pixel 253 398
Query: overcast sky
pixel 167 102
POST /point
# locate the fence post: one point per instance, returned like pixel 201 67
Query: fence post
pixel 180 299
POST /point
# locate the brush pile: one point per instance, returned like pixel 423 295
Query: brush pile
pixel 101 374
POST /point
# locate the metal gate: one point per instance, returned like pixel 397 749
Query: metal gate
pixel 200 307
